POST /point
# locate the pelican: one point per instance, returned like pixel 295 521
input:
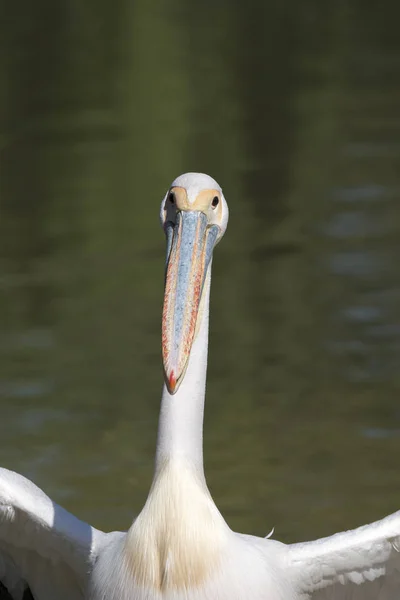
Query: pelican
pixel 180 547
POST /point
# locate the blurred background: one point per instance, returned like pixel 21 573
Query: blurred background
pixel 295 109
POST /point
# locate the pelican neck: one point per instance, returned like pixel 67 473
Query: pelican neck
pixel 180 427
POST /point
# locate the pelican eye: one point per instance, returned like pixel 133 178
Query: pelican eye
pixel 171 197
pixel 215 202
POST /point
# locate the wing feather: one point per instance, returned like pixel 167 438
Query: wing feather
pixel 362 563
pixel 42 546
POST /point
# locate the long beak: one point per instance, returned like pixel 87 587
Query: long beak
pixel 190 243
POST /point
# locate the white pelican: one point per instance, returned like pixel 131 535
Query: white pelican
pixel 180 547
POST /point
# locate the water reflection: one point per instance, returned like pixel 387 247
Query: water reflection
pixel 297 115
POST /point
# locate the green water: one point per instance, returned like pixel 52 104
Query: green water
pixel 295 109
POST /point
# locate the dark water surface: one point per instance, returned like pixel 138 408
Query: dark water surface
pixel 295 109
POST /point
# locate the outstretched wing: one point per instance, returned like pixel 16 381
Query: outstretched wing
pixel 360 564
pixel 42 546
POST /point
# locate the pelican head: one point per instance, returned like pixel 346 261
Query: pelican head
pixel 194 216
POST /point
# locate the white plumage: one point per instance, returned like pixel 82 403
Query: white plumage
pixel 180 547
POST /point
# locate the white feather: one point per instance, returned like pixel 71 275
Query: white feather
pixel 42 544
pixel 363 561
